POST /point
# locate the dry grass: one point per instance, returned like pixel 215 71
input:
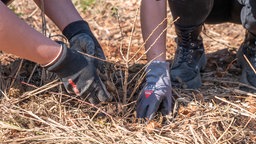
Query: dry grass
pixel 35 109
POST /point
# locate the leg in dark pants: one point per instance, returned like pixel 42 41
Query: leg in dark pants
pixel 225 11
pixel 191 13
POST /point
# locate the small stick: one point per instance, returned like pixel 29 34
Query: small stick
pixel 235 105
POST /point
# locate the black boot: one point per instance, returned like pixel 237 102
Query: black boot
pixel 247 59
pixel 189 58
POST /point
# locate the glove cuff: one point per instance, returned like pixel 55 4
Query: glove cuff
pixel 157 70
pixel 78 27
pixel 55 59
pixel 75 28
pixel 68 63
pixel 158 66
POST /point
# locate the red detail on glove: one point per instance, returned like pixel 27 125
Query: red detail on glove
pixel 148 93
pixel 75 89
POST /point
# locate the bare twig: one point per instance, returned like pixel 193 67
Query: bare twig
pixel 245 57
pixel 237 106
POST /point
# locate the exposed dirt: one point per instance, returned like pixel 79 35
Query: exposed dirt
pixel 217 112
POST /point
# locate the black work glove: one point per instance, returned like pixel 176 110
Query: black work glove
pixel 157 93
pixel 79 76
pixel 82 39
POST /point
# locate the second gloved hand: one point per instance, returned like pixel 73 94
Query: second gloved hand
pixel 79 76
pixel 82 39
pixel 157 93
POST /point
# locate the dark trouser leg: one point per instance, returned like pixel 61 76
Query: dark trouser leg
pixel 189 56
pixel 191 13
pixel 207 11
pixel 225 11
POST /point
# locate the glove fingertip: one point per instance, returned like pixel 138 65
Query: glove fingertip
pixel 104 96
pixel 141 112
pixel 151 116
pixel 93 100
pixel 166 106
pixel 102 93
pixel 165 112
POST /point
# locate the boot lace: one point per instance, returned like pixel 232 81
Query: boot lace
pixel 185 55
pixel 185 47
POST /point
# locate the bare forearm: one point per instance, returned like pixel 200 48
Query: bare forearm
pixel 61 12
pixel 153 12
pixel 18 38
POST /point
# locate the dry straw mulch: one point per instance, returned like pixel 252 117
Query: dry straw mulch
pixel 34 107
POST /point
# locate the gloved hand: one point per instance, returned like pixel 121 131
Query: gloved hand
pixel 82 39
pixel 79 76
pixel 157 93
